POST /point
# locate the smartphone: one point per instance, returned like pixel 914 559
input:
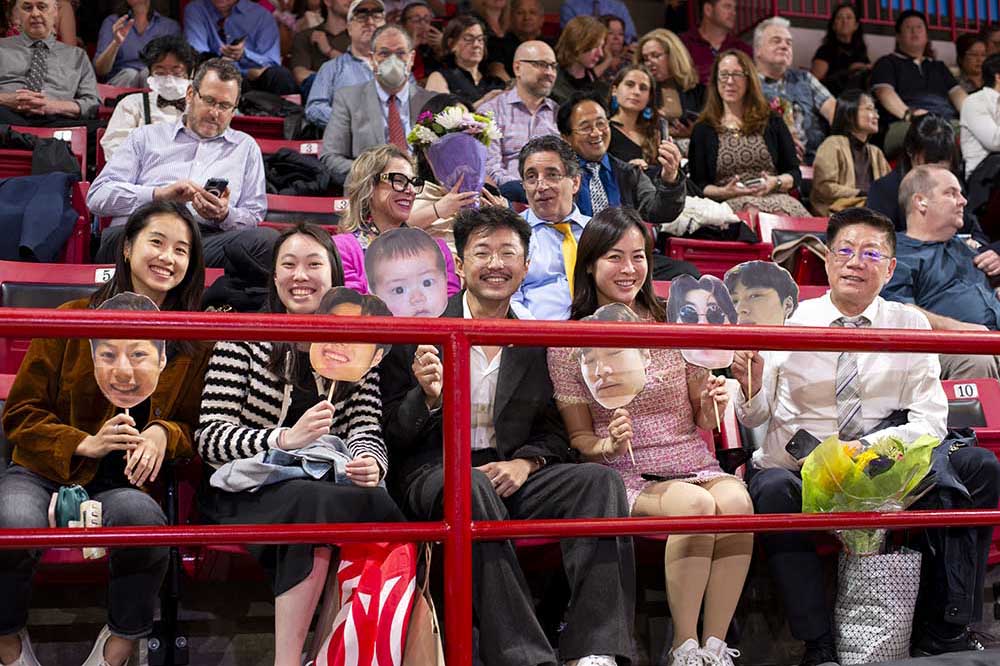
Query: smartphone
pixel 237 41
pixel 690 116
pixel 801 444
pixel 646 476
pixel 130 14
pixel 216 186
pixel 751 183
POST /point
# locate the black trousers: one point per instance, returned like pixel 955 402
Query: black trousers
pixel 954 559
pixel 601 571
pixel 245 253
pixel 275 79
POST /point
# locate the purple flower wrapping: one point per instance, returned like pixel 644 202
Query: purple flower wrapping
pixel 456 155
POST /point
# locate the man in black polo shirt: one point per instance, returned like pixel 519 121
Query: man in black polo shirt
pixel 909 82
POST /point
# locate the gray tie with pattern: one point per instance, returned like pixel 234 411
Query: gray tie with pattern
pixel 39 68
pixel 849 418
pixel 598 197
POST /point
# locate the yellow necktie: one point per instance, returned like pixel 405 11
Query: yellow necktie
pixel 568 250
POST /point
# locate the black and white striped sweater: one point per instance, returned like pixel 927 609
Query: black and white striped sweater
pixel 243 408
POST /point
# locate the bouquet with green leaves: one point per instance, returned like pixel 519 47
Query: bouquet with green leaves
pixel 838 478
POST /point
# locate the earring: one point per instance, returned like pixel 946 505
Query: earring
pixel 614 104
pixel 647 113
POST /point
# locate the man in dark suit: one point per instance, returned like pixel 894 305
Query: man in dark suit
pixel 521 465
pixel 381 111
pixel 610 182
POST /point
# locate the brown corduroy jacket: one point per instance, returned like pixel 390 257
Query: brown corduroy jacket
pixel 54 403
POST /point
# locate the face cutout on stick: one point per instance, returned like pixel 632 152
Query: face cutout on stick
pixel 127 371
pixel 406 269
pixel 704 301
pixel 763 293
pixel 348 361
pixel 614 376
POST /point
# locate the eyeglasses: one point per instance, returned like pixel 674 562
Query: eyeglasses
pixel 551 177
pixel 507 256
pixel 473 39
pixel 587 128
pixel 399 181
pixel 843 255
pixel 224 107
pixel 732 76
pixel 542 65
pixel 688 314
pixel 360 15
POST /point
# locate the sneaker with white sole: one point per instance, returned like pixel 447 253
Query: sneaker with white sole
pixel 717 653
pixel 27 656
pixel 593 660
pixel 96 657
pixel 686 654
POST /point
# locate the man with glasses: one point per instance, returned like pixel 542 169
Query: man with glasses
pixel 244 32
pixel 522 465
pixel 715 34
pixel 418 20
pixel 862 398
pixel 353 67
pixel 378 112
pixel 939 272
pixel 175 161
pixel 520 113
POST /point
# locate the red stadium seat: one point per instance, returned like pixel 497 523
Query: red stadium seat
pixel 716 257
pixel 260 127
pixel 18 162
pixel 809 269
pixel 284 209
pixel 77 248
pixel 271 146
pixel 108 92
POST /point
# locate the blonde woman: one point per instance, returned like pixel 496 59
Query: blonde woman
pixel 381 188
pixel 666 57
pixel 579 50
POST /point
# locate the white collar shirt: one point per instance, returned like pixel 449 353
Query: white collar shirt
pixel 483 375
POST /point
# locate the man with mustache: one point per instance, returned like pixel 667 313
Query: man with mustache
pixel 520 457
pixel 520 113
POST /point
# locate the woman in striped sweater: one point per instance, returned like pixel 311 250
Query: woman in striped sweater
pixel 260 396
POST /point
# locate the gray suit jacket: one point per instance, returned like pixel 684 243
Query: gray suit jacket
pixel 356 123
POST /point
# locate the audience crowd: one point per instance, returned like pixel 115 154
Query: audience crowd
pixel 607 137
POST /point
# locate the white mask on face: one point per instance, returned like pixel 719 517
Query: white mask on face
pixel 391 72
pixel 169 87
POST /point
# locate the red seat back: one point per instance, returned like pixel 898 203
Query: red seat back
pixel 18 162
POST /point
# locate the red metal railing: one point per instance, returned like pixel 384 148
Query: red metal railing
pixel 941 14
pixel 457 531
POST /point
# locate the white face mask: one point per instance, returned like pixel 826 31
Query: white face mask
pixel 169 87
pixel 391 72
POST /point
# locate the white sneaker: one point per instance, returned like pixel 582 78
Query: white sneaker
pixel 593 660
pixel 27 656
pixel 686 654
pixel 96 657
pixel 717 653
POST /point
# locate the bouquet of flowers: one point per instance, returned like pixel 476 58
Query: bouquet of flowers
pixel 785 109
pixel 454 142
pixel 881 478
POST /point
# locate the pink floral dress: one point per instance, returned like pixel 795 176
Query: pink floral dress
pixel 665 439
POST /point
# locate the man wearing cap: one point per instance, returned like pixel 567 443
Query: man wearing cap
pixel 378 112
pixel 364 17
pixel 245 33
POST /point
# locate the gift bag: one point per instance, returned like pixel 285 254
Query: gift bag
pixel 423 639
pixel 873 616
pixel 376 584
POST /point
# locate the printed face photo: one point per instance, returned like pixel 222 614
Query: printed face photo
pixel 344 361
pixel 413 286
pixel 702 301
pixel 756 288
pixel 614 376
pixel 127 371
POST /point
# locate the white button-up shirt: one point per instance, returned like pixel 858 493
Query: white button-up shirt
pixel 483 375
pixel 798 390
pixel 980 131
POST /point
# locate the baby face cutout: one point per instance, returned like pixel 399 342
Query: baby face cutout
pixel 344 361
pixel 127 371
pixel 704 301
pixel 763 293
pixel 406 269
pixel 614 376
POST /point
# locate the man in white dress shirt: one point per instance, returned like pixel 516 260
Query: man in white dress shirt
pixel 862 397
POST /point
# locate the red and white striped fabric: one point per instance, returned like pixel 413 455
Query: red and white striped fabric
pixel 376 582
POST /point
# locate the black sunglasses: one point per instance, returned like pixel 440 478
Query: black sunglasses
pixel 399 181
pixel 713 314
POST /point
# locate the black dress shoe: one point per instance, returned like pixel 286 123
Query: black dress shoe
pixel 819 654
pixel 928 644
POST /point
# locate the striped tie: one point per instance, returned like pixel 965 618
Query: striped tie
pixel 849 417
